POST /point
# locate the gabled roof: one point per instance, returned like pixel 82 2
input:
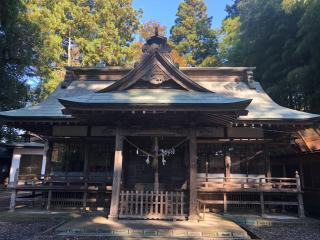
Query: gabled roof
pixel 156 69
pixel 155 84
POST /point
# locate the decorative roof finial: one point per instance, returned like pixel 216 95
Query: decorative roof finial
pixel 156 43
pixel 156 31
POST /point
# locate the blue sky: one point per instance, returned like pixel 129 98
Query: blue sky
pixel 164 11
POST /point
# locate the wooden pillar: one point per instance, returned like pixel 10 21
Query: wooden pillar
pixel 116 184
pixel 48 156
pixel 49 195
pixel 86 160
pixel 267 163
pixel 14 191
pixel 299 197
pixel 284 170
pixel 227 163
pixel 13 200
pixel 225 203
pixel 301 174
pixel 156 164
pixel 49 171
pixel 262 203
pixel 86 175
pixel 193 175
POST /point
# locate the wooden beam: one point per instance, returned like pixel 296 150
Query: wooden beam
pixel 193 175
pixel 154 132
pixel 116 184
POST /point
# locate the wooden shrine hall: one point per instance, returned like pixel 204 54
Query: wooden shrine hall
pixel 160 142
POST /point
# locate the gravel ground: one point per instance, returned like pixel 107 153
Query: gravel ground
pixel 24 230
pixel 288 232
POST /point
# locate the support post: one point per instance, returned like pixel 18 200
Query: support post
pixel 227 163
pixel 262 203
pixel 47 156
pixel 193 175
pixel 49 196
pixel 301 174
pixel 86 176
pixel 156 164
pixel 284 170
pixel 14 191
pixel 116 184
pixel 267 163
pixel 299 197
pixel 225 203
pixel 207 167
pixel 85 194
pixel 86 161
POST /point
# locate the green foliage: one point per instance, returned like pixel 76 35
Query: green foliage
pixel 268 36
pixel 16 56
pixel 193 36
pixel 280 38
pixel 229 43
pixel 309 51
pixel 81 32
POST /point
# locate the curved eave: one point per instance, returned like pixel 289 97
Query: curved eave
pixel 209 107
pixel 280 121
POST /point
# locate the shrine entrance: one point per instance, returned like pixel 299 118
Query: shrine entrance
pixel 155 178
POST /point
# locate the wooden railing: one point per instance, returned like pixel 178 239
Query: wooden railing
pixel 152 205
pixel 250 191
pixel 58 191
pixel 248 183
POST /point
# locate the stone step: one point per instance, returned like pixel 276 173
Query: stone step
pixel 155 234
pixel 216 228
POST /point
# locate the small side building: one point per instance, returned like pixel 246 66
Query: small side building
pixel 23 158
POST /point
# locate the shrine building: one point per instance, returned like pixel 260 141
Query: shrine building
pixel 159 141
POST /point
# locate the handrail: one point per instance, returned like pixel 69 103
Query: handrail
pixel 245 178
pixel 207 183
pixel 45 179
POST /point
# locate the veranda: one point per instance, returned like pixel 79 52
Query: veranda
pixel 159 174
